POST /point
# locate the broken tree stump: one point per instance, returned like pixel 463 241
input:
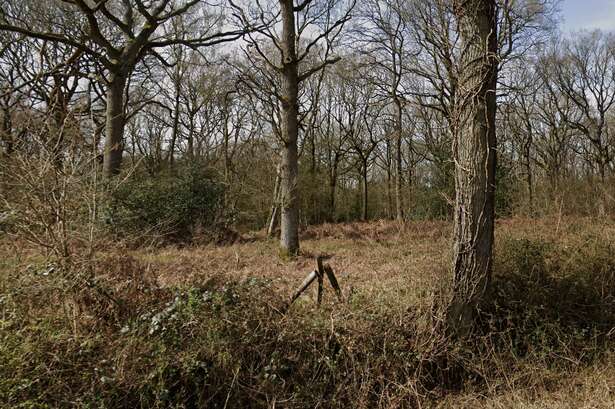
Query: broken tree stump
pixel 318 274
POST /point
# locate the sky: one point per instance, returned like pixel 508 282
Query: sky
pixel 588 14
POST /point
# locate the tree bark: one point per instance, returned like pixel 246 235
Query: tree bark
pixel 273 215
pixel 6 132
pixel 289 235
pixel 364 191
pixel 115 124
pixel 399 206
pixel 175 130
pixel 475 160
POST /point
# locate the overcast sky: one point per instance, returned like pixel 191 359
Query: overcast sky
pixel 588 14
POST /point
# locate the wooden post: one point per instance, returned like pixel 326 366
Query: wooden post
pixel 333 281
pixel 321 275
pixel 320 287
pixel 305 284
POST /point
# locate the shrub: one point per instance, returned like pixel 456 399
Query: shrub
pixel 548 302
pixel 176 205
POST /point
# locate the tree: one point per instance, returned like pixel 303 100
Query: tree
pixel 474 152
pixel 585 74
pixel 308 28
pixel 520 114
pixel 118 35
pixel 381 35
pixel 555 136
pixel 358 116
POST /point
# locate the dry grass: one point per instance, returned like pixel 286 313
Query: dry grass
pixel 365 256
pixel 377 350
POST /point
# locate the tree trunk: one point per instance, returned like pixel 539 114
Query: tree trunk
pixel 227 139
pixel 289 236
pixel 6 132
pixel 530 185
pixel 364 191
pixel 191 137
pixel 399 206
pixel 389 185
pixel 57 110
pixel 332 190
pixel 275 207
pixel 475 159
pixel 411 174
pixel 602 166
pixel 115 123
pixel 175 130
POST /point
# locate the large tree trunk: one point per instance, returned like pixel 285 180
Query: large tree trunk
pixel 289 235
pixel 115 123
pixel 475 159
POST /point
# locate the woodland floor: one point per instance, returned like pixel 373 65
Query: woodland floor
pixel 385 262
pixel 384 265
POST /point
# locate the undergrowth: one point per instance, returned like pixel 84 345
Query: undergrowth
pixel 117 338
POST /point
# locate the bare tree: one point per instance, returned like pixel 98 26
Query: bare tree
pixel 118 35
pixel 585 73
pixel 519 113
pixel 555 136
pixel 307 28
pixel 381 35
pixel 358 116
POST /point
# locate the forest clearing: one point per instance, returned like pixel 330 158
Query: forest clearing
pixel 307 204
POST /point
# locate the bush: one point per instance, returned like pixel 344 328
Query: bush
pixel 549 302
pixel 178 205
pixel 50 203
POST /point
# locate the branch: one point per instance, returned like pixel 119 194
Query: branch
pixel 302 6
pixel 53 37
pixel 317 68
